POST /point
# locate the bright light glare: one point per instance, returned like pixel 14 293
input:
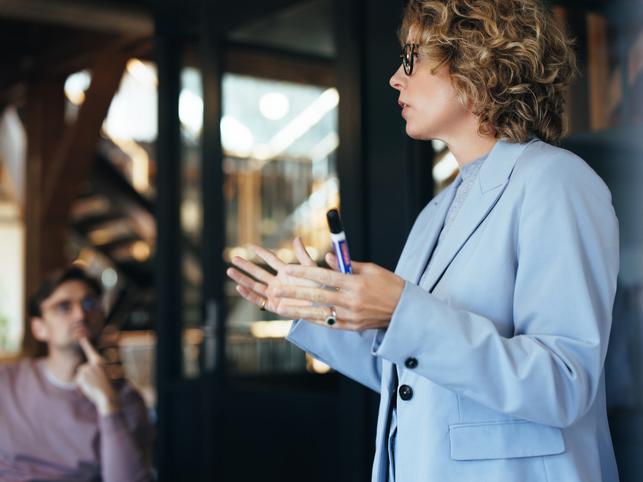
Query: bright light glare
pixel 109 278
pixel 445 168
pixel 235 136
pixel 143 72
pixel 274 106
pixel 301 124
pixel 76 85
pixel 191 111
pixel 270 329
pixel 140 250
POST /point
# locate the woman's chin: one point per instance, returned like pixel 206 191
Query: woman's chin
pixel 415 134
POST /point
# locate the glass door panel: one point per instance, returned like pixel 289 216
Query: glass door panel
pixel 279 140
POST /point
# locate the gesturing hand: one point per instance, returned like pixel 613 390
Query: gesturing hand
pixel 362 300
pixel 261 290
pixel 93 382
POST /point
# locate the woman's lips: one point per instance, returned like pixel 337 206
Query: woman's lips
pixel 403 106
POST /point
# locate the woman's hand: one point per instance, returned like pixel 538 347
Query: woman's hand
pixel 362 300
pixel 261 290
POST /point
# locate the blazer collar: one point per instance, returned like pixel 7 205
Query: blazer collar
pixel 424 235
pixel 497 168
pixel 492 179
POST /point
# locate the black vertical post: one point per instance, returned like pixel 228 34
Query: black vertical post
pixel 214 233
pixel 384 176
pixel 384 180
pixel 168 252
pixel 352 168
pixel 355 447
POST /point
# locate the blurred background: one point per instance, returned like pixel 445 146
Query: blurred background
pixel 151 141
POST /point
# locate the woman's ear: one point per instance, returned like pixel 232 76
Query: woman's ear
pixel 465 102
pixel 39 329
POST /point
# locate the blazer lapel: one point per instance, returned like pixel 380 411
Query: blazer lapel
pixel 492 180
pixel 424 236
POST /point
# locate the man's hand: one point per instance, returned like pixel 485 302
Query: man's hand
pixel 93 382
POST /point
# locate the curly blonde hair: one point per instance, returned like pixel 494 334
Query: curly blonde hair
pixel 508 59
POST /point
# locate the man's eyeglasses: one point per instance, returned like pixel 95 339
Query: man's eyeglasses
pixel 65 307
pixel 409 52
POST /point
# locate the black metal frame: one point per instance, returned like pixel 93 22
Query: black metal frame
pixel 168 264
pixel 384 182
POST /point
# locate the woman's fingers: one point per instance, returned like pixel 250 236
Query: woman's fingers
pixel 317 314
pixel 320 275
pixel 315 295
pixel 269 257
pixel 250 295
pixel 246 282
pixel 358 267
pixel 252 269
pixel 331 261
pixel 300 252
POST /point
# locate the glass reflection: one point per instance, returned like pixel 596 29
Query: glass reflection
pixel 279 142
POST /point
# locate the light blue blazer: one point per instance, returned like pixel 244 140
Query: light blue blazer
pixel 503 344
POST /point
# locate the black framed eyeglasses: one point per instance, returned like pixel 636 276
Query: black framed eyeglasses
pixel 409 52
pixel 89 304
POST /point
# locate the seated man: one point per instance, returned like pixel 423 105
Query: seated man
pixel 61 417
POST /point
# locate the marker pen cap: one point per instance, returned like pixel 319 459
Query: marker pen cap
pixel 338 238
pixel 334 221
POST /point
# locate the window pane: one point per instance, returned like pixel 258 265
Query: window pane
pixel 279 142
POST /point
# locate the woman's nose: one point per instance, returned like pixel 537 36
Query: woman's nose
pixel 396 79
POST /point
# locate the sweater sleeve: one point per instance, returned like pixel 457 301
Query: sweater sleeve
pixel 125 439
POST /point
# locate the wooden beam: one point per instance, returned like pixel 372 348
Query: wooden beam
pixel 44 237
pixel 59 161
pixel 71 164
pixel 66 57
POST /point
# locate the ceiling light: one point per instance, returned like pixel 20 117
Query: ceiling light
pixel 140 251
pixel 235 136
pixel 274 106
pixel 76 85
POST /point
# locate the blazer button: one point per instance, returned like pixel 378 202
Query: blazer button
pixel 411 363
pixel 406 393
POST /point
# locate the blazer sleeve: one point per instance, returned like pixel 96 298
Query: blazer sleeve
pixel 567 264
pixel 347 352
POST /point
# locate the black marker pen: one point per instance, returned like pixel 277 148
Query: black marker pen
pixel 338 237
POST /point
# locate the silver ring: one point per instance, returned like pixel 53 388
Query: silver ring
pixel 331 318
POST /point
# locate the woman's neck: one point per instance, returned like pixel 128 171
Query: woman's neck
pixel 467 150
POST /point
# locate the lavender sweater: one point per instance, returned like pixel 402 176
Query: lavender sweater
pixel 51 433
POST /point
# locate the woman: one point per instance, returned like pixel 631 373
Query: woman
pixel 487 344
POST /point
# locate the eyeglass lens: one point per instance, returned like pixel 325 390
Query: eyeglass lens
pixel 408 54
